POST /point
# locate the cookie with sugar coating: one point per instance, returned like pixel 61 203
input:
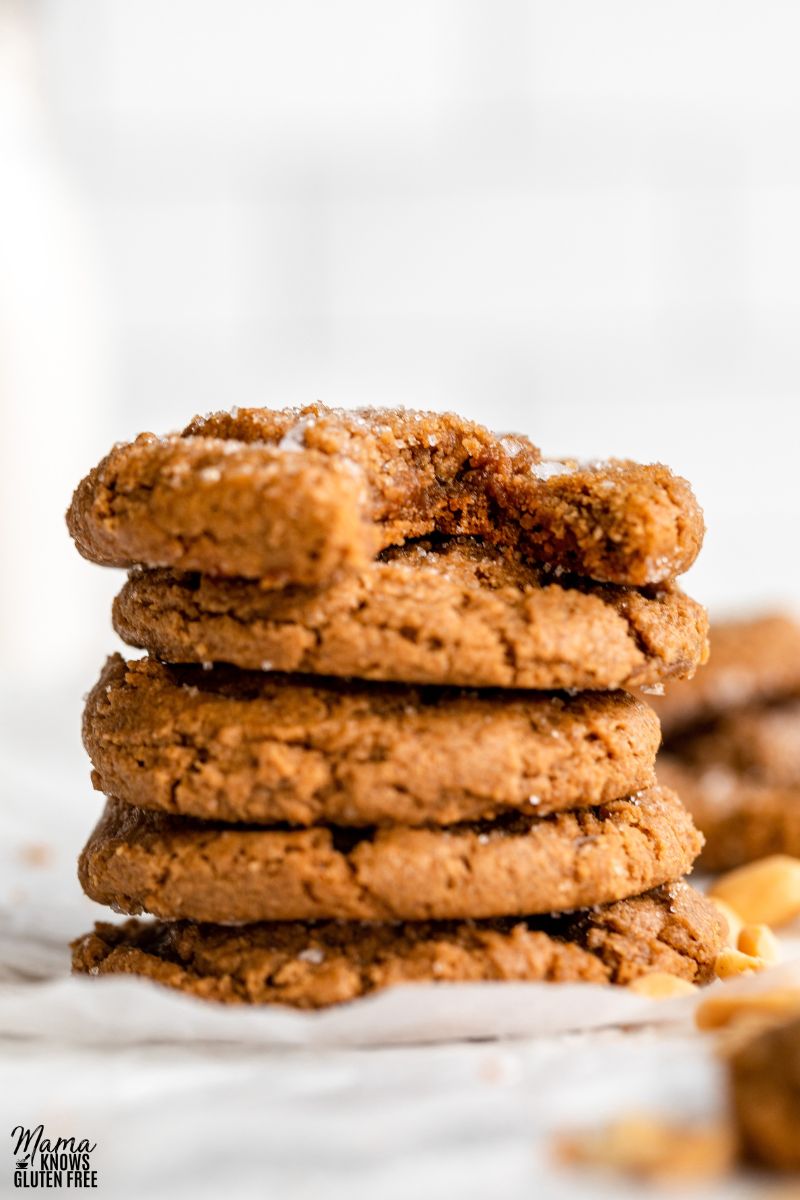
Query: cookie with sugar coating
pixel 180 868
pixel 242 746
pixel 453 612
pixel 300 495
pixel 672 929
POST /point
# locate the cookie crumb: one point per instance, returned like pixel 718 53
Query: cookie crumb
pixel 36 854
pixel 651 1148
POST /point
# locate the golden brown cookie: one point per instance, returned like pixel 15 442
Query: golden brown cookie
pixel 765 1085
pixel 180 868
pixel 235 745
pixel 671 929
pixel 741 818
pixel 454 612
pixel 740 777
pixel 751 660
pixel 295 496
pixel 762 744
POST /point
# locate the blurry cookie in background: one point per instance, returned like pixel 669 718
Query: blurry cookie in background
pixel 732 741
pixel 765 1084
pixel 753 661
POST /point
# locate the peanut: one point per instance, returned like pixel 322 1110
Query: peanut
pixel 646 1147
pixel 730 962
pixel 764 892
pixel 760 942
pixel 660 985
pixel 724 1008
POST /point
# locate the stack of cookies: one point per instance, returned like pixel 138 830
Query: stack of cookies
pixel 381 735
pixel 732 742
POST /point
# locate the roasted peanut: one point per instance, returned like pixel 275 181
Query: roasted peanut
pixel 725 1007
pixel 646 1147
pixel 730 963
pixel 760 942
pixel 764 892
pixel 660 985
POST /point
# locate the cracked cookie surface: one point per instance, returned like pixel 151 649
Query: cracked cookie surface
pixel 255 747
pixel 671 929
pixel 177 867
pixel 297 495
pixel 454 612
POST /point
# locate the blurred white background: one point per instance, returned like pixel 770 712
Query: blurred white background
pixel 573 218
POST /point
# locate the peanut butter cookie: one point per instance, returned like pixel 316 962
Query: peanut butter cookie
pixel 765 1082
pixel 752 660
pixel 297 495
pixel 740 777
pixel 249 746
pixel 742 819
pixel 182 868
pixel 671 929
pixel 455 612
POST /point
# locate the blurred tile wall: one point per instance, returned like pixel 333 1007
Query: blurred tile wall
pixel 575 218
